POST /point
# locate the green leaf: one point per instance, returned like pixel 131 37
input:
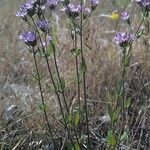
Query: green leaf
pixel 54 31
pixel 127 103
pixel 127 61
pixel 83 67
pixel 76 147
pixel 110 111
pixel 77 118
pixel 70 120
pixel 124 136
pixel 62 84
pixel 115 116
pixel 111 139
pixel 51 88
pixel 42 106
pixel 36 76
pixel 76 51
pixel 43 53
pixel 140 33
pixel 51 49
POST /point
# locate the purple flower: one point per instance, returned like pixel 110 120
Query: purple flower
pixel 125 15
pixel 43 25
pixel 22 12
pixel 73 9
pixel 52 3
pixel 29 37
pixel 94 3
pixel 144 4
pixel 86 12
pixel 27 8
pixel 30 6
pixel 123 38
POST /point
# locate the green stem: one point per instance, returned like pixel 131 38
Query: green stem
pixel 59 100
pixel 54 85
pixel 59 78
pixel 78 83
pixel 84 77
pixel 42 97
pixel 63 94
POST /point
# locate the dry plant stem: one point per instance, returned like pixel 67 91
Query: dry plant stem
pixel 84 78
pixel 143 121
pixel 139 124
pixel 41 93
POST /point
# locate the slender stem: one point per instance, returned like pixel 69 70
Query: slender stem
pixel 59 78
pixel 140 25
pixel 78 83
pixel 30 25
pixel 123 81
pixel 54 85
pixel 63 94
pixel 59 100
pixel 146 39
pixel 42 97
pixel 84 76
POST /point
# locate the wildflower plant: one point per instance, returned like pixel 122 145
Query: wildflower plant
pixel 39 37
pixel 119 131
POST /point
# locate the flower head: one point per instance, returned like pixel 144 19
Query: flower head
pixel 123 39
pixel 144 4
pixel 52 3
pixel 115 16
pixel 29 37
pixel 27 8
pixel 73 9
pixel 22 12
pixel 30 6
pixel 43 25
pixel 125 15
pixel 86 12
pixel 94 4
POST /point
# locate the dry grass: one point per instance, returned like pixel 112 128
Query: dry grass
pixel 103 61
